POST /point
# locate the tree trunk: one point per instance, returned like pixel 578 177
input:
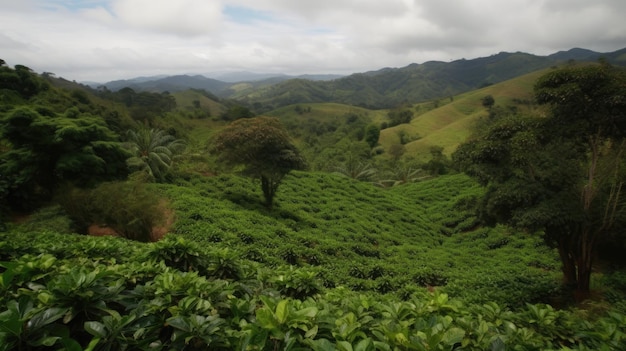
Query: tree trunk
pixel 568 263
pixel 269 190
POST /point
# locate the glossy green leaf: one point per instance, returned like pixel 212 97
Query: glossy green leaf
pixel 46 317
pixel 96 329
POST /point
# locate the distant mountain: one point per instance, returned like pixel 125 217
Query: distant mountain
pixel 575 54
pixel 390 87
pixel 123 83
pixel 616 57
pixel 171 84
pixel 384 88
pixel 244 76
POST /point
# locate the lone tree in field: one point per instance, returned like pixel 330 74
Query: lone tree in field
pixel 262 146
pixel 563 174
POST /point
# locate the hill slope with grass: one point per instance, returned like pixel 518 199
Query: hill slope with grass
pixel 451 122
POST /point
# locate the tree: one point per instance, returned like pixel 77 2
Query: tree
pixel 488 101
pixel 356 170
pixel 396 151
pixel 236 112
pixel 562 174
pixel 262 146
pixel 399 116
pixel 153 151
pixel 49 149
pixel 438 163
pixel 372 133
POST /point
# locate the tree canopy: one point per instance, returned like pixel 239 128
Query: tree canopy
pixel 49 149
pixel 262 146
pixel 562 174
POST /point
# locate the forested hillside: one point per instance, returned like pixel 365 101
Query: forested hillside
pixel 158 221
pixel 381 89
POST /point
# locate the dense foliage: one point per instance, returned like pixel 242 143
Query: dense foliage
pixel 70 292
pixel 49 149
pixel 562 174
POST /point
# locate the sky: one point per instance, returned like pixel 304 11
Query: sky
pixel 104 40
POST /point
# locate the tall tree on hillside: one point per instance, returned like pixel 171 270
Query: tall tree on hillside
pixel 262 146
pixel 372 133
pixel 153 151
pixel 563 174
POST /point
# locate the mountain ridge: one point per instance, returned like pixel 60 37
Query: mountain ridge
pixel 384 88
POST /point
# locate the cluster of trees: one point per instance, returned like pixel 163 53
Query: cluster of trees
pixel 55 139
pixel 397 117
pixel 143 106
pixel 562 174
pixel 19 82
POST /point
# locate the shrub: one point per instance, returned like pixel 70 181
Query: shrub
pixel 177 253
pixel 129 208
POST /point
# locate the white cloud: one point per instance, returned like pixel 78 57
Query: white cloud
pixel 111 39
pixel 180 17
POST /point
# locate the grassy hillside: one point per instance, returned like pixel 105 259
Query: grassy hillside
pixel 451 123
pixel 198 102
pixel 441 122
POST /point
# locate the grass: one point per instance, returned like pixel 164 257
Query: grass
pixel 185 102
pixel 450 124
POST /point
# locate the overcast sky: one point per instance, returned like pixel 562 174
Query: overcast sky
pixel 103 40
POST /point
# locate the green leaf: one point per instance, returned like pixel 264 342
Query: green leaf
pixel 10 321
pixel 282 311
pixel 92 344
pixel 180 322
pixel 266 319
pixel 47 341
pixel 96 329
pixel 311 333
pixel 71 345
pixel 46 317
pixel 344 346
pixel 7 276
pixel 308 312
pixel 365 345
pixel 453 336
pixel 322 345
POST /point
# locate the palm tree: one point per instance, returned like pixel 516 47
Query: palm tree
pixel 356 170
pixel 153 151
pixel 403 174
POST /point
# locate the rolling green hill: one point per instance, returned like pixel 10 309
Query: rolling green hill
pixel 450 124
pixel 445 122
pixel 391 87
